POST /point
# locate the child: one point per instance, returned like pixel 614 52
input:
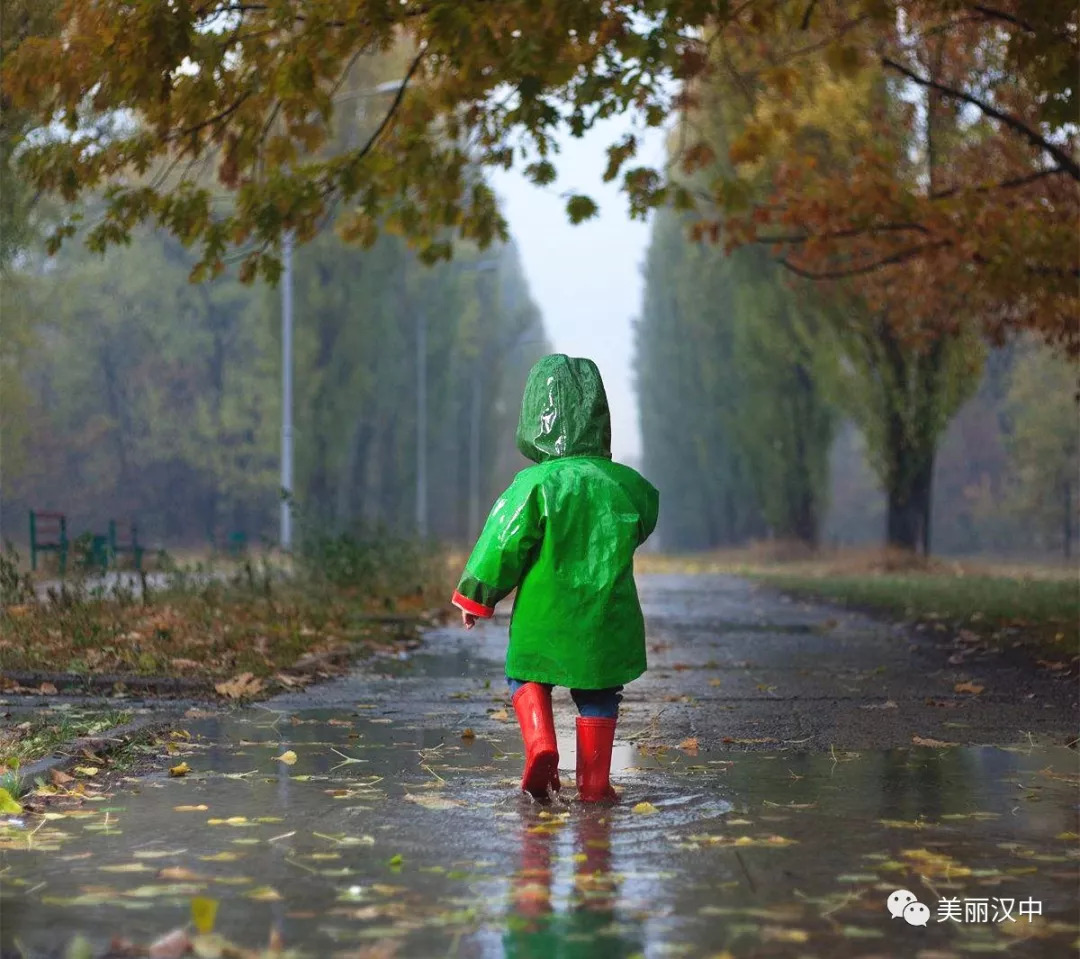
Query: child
pixel 564 536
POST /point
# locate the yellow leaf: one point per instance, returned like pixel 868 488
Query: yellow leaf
pixel 644 807
pixel 501 715
pixel 264 894
pixel 689 745
pixel 8 806
pixel 87 770
pixel 180 770
pixel 288 757
pixel 202 807
pixel 968 688
pixel 203 913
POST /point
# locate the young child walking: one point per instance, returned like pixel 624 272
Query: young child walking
pixel 563 535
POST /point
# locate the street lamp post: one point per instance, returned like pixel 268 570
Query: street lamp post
pixel 286 391
pixel 421 423
pixel 287 243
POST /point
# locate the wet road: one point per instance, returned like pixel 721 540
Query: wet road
pixel 781 831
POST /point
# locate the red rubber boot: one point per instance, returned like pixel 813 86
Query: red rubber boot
pixel 595 736
pixel 532 703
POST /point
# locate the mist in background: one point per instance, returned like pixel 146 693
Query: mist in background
pixel 586 280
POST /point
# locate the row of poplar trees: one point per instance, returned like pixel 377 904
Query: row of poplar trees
pixel 752 381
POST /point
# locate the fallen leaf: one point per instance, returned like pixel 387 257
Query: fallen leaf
pixel 968 688
pixel 467 733
pixel 434 802
pixel 644 808
pixel 79 948
pixel 181 769
pixel 180 874
pixel 501 715
pixel 243 686
pixel 173 945
pixel 288 758
pixel 264 894
pixel 689 746
pixel 937 743
pixel 203 914
pixel 8 806
pixel 87 770
pixel 47 689
pixel 202 807
pixel 60 778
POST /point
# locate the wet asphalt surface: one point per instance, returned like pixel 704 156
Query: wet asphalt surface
pixel 773 797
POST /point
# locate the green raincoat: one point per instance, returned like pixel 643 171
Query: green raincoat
pixel 564 536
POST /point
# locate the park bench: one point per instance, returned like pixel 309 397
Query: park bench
pixel 48 534
pixel 125 540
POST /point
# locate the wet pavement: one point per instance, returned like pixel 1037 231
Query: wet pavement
pixel 379 815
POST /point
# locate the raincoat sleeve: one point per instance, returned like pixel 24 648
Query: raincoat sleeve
pixel 501 554
pixel 651 510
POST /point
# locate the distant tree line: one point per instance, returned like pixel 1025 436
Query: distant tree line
pixel 138 394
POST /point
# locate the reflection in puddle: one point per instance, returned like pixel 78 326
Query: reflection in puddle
pixel 389 832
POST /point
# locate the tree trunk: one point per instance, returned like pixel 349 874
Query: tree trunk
pixel 908 522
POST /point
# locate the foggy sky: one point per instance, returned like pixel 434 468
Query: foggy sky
pixel 586 279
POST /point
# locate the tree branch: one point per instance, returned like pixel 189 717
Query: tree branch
pixel 1065 162
pixel 839 274
pixel 795 239
pixel 1003 185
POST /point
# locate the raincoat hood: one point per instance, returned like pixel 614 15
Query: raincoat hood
pixel 564 411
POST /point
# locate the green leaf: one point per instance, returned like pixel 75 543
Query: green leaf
pixel 580 207
pixel 8 806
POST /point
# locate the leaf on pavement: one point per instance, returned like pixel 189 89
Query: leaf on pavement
pixel 181 769
pixel 204 913
pixel 689 746
pixel 288 757
pixel 434 802
pixel 8 806
pixel 172 945
pixel 967 687
pixel 243 686
pixel 936 743
pixel 644 808
pixel 500 714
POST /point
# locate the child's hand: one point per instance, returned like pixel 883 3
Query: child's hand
pixel 468 620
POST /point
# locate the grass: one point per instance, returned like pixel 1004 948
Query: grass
pixel 25 742
pixel 1004 601
pixel 211 625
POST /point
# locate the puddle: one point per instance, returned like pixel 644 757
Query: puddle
pixel 384 830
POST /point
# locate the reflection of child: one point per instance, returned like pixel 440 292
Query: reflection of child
pixel 564 536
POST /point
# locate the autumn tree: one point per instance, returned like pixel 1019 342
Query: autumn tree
pixel 1044 448
pixel 252 88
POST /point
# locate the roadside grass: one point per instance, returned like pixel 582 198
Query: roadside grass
pixel 213 624
pixel 40 735
pixel 1006 602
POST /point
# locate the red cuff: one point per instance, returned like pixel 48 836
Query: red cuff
pixel 470 606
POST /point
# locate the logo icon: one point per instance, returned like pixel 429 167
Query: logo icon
pixel 917 914
pixel 903 905
pixel 899 901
